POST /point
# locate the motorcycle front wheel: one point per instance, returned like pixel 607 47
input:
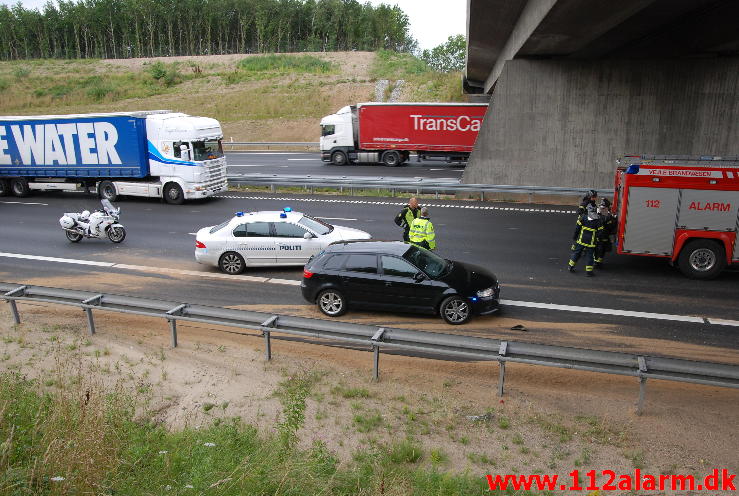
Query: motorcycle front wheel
pixel 116 234
pixel 73 236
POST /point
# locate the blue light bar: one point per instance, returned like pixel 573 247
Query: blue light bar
pixel 287 209
pixel 633 169
pixel 283 215
pixel 239 214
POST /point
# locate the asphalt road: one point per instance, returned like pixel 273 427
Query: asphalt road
pixel 309 163
pixel 527 246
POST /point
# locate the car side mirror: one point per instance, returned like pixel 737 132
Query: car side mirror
pixel 420 276
pixel 307 235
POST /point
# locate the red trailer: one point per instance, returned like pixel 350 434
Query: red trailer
pixel 680 208
pixel 390 132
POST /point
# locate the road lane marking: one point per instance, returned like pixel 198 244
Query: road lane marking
pixel 246 165
pixel 293 282
pixel 401 204
pixel 23 203
pixel 55 259
pixel 607 311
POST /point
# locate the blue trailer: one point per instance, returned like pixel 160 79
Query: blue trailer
pixel 154 153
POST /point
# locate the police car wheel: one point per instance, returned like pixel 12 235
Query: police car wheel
pixel 455 310
pixel 702 259
pixel 331 302
pixel 231 263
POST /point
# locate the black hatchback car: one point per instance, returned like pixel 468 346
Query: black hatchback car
pixel 391 275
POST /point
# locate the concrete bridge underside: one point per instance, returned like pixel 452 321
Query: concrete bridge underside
pixel 575 83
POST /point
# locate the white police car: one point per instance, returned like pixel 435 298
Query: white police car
pixel 260 239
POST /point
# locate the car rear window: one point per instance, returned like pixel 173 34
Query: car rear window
pixel 253 230
pixel 335 262
pixel 219 226
pixel 362 263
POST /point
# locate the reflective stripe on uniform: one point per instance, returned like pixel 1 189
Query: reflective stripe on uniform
pixel 422 230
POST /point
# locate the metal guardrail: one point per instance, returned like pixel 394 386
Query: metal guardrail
pixel 377 338
pixel 393 184
pixel 305 144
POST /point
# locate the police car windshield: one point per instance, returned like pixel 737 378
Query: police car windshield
pixel 315 225
pixel 206 150
pixel 433 265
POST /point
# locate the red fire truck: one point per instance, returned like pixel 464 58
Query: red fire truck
pixel 685 209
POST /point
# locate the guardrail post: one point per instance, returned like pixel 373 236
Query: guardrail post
pixel 642 384
pixel 266 325
pixel 482 196
pixel 178 310
pixel 501 364
pixel 95 300
pixel 19 291
pixel 376 349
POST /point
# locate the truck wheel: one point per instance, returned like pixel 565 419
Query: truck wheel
pixel 391 159
pixel 107 191
pixel 339 158
pixel 702 259
pixel 4 188
pixel 19 187
pixel 173 194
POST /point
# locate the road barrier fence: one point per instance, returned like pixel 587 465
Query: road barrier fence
pixel 375 338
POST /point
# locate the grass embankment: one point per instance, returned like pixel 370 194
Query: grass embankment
pixel 73 435
pixel 277 97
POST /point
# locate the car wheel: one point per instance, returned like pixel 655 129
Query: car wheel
pixel 173 194
pixel 702 259
pixel 391 159
pixel 331 302
pixel 455 310
pixel 19 187
pixel 107 191
pixel 4 188
pixel 339 158
pixel 231 263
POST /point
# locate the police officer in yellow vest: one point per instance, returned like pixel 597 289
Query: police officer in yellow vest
pixel 588 231
pixel 422 231
pixel 406 217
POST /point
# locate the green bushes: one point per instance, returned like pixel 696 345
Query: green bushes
pixel 285 63
pixel 84 438
pixel 167 74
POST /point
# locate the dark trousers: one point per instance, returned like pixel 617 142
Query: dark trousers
pixel 578 251
pixel 601 249
pixel 407 235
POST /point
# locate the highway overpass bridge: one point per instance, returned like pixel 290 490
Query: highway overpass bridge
pixel 575 83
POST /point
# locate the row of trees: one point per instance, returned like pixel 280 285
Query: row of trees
pixel 147 28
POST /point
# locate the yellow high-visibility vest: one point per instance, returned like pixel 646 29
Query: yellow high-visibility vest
pixel 422 230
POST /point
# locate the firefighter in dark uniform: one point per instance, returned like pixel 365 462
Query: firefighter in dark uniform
pixel 589 228
pixel 406 217
pixel 590 198
pixel 605 242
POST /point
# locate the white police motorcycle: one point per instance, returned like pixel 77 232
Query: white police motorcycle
pixel 98 224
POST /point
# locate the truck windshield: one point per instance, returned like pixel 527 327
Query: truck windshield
pixel 328 129
pixel 206 150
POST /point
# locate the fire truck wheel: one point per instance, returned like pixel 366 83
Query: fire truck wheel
pixel 702 259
